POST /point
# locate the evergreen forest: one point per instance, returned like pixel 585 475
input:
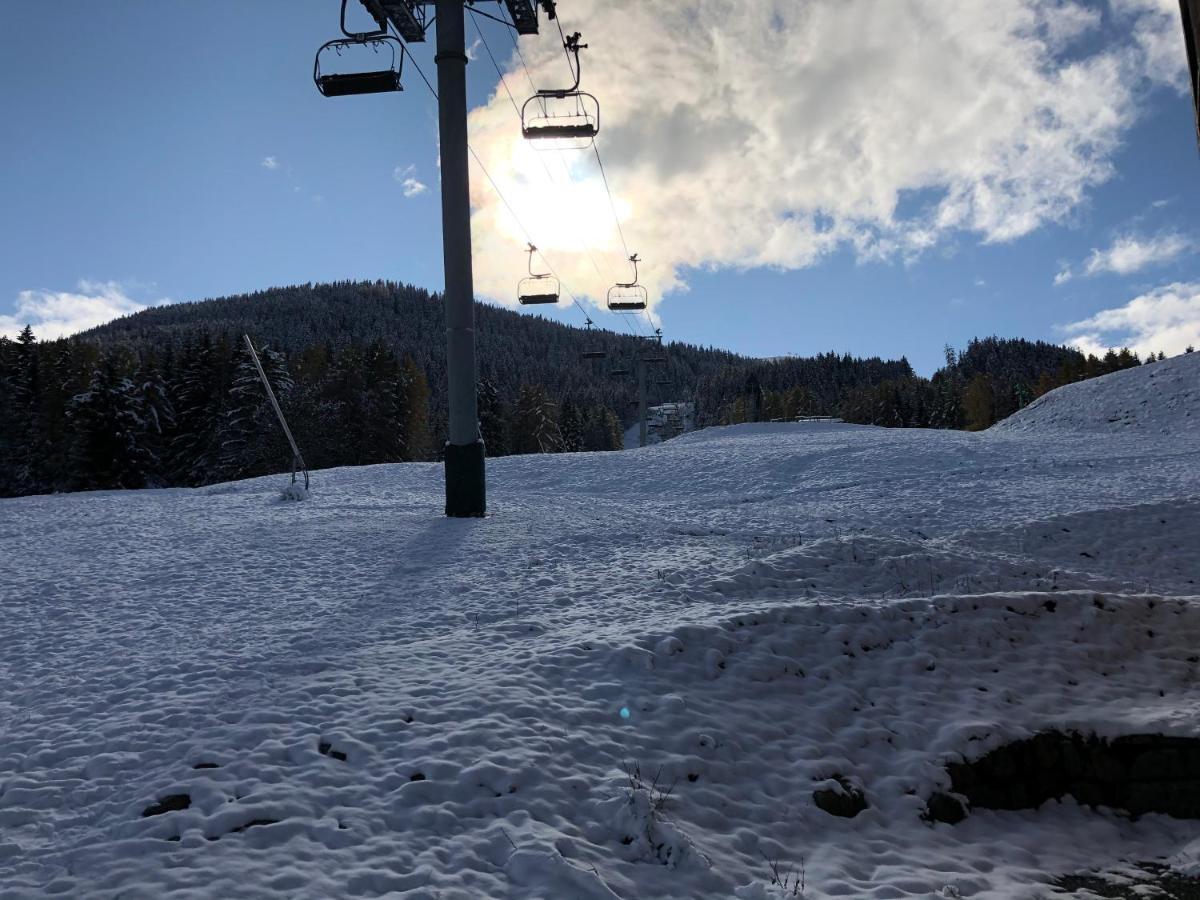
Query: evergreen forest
pixel 170 396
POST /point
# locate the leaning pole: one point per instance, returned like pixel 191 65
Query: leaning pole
pixel 466 490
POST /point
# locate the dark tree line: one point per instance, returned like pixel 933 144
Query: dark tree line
pixel 75 416
pixel 168 396
pixel 987 382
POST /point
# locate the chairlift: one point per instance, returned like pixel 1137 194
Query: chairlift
pixel 628 296
pixel 347 84
pixel 617 373
pixel 592 352
pixel 537 288
pixel 562 119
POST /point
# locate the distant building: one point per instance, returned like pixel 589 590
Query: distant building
pixel 668 420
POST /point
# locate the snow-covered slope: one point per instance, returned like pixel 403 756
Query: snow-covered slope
pixel 1158 398
pixel 627 681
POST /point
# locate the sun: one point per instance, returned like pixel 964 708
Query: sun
pixel 560 200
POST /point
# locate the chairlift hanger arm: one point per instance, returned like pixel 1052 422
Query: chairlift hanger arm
pixel 571 47
pixel 633 259
pixel 533 274
pixel 362 36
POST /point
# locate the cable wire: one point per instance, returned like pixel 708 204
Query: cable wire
pixel 504 199
pixel 549 175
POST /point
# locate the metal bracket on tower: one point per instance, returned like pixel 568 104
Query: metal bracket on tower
pixel 406 16
pixel 410 19
pixel 524 15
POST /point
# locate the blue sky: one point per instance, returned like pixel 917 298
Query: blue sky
pixel 170 150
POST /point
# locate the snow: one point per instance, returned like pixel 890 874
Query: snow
pixel 360 698
pixel 1160 397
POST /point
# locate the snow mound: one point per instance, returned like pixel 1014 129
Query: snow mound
pixel 1158 398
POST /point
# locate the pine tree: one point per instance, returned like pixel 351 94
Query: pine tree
pixel 416 429
pixel 250 440
pixel 535 423
pixel 614 434
pixel 493 422
pixel 979 403
pixel 24 384
pixel 108 432
pixel 571 428
pixel 158 417
pixel 386 408
pixel 192 450
pixel 11 437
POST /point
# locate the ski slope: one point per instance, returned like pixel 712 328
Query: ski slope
pixel 1160 397
pixel 359 698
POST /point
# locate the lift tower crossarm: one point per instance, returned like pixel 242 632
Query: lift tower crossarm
pixel 409 19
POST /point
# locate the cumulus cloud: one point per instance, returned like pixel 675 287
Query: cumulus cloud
pixel 55 314
pixel 406 176
pixel 1166 319
pixel 774 133
pixel 1130 254
pixel 270 162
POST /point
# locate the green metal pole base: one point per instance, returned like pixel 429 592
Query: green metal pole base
pixel 466 488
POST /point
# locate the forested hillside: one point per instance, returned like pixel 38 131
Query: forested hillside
pixel 169 396
pixel 987 382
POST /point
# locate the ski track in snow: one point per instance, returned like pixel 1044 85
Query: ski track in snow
pixel 386 702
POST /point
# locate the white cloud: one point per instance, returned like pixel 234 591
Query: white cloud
pixel 270 162
pixel 1130 254
pixel 55 314
pixel 1166 319
pixel 406 176
pixel 774 133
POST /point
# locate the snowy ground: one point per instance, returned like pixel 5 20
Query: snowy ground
pixel 422 707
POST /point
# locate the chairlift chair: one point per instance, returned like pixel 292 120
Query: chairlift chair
pixel 562 118
pixel 537 288
pixel 347 84
pixel 628 296
pixel 592 352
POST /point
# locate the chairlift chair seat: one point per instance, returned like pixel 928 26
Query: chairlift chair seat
pixel 536 299
pixel 633 303
pixel 580 131
pixel 353 83
pixel 593 354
